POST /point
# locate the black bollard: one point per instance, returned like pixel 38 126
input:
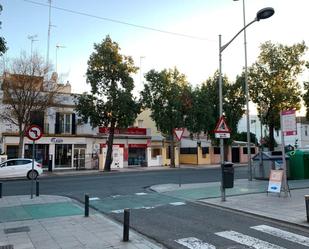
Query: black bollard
pixel 86 205
pixel 37 188
pixel 126 224
pixel 0 189
pixel 307 206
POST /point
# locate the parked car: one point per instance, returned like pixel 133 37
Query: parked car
pixel 20 167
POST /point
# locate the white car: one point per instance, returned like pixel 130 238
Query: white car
pixel 20 167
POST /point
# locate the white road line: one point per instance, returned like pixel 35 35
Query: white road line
pixel 179 203
pixel 142 193
pixel 119 211
pixel 247 240
pixel 94 198
pixel 299 239
pixel 194 243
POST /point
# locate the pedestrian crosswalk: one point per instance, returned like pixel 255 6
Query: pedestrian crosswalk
pixel 246 240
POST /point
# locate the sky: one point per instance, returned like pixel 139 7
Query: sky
pixel 194 52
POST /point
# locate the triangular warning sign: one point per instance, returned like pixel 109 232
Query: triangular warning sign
pixel 221 126
pixel 179 132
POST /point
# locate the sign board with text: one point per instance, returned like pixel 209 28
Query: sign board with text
pixel 275 181
pixel 288 123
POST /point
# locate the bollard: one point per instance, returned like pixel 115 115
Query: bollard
pixel 86 205
pixel 37 188
pixel 126 224
pixel 0 189
pixel 307 206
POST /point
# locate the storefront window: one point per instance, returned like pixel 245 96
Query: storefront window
pixel 155 152
pixel 63 155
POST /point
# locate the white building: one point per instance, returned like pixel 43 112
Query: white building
pixel 301 139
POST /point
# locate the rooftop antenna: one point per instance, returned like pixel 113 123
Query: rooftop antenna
pixel 57 48
pixel 32 38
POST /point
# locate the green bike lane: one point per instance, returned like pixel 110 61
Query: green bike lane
pixel 156 196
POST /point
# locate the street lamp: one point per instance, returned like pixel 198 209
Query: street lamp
pixel 261 14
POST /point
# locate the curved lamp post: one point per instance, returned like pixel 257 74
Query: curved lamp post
pixel 261 14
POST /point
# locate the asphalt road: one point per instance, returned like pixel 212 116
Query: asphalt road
pixel 170 221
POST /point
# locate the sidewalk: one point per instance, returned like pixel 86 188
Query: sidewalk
pixel 248 197
pixel 50 222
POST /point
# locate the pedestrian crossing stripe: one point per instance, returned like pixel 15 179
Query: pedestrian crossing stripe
pixel 296 238
pixel 194 243
pixel 247 240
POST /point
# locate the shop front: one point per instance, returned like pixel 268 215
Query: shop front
pixel 137 155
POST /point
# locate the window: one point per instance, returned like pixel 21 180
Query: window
pixel 155 152
pixel 168 154
pixel 245 150
pixel 140 123
pixel 65 123
pixel 205 150
pixel 191 151
pixel 216 150
pixel 37 118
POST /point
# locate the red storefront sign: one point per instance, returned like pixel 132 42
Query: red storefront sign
pixel 142 146
pixel 127 131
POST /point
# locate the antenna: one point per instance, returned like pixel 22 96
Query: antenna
pixel 32 39
pixel 57 48
pixel 48 36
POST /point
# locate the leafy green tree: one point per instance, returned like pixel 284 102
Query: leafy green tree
pixel 273 82
pixel 111 102
pixel 233 102
pixel 3 47
pixel 166 94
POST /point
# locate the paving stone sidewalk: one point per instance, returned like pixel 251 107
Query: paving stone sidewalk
pixel 54 222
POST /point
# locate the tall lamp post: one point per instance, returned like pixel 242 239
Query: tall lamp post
pixel 247 96
pixel 261 14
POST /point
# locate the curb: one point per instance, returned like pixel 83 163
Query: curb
pixel 287 223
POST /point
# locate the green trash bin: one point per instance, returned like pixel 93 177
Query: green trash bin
pixel 299 164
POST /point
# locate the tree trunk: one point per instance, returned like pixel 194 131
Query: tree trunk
pixel 172 150
pixel 271 138
pixel 109 159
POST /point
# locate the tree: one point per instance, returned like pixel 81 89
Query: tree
pixel 111 102
pixel 3 47
pixel 233 102
pixel 26 92
pixel 273 82
pixel 166 94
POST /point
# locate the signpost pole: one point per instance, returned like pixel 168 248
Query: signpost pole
pixel 32 170
pixel 285 185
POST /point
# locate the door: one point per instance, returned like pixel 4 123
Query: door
pixel 5 171
pixel 79 158
pixel 235 155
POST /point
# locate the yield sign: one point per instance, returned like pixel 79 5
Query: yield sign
pixel 179 132
pixel 221 126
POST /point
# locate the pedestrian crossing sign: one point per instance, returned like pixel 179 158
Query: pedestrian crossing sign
pixel 222 130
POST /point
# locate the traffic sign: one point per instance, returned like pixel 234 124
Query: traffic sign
pixel 179 132
pixel 222 130
pixel 221 126
pixel 34 132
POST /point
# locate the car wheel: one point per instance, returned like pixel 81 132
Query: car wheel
pixel 32 174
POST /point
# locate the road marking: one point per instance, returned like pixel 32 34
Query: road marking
pixel 179 203
pixel 283 234
pixel 247 240
pixel 194 243
pixel 94 198
pixel 142 193
pixel 119 211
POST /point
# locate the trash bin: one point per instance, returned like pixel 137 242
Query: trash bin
pixel 299 164
pixel 228 175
